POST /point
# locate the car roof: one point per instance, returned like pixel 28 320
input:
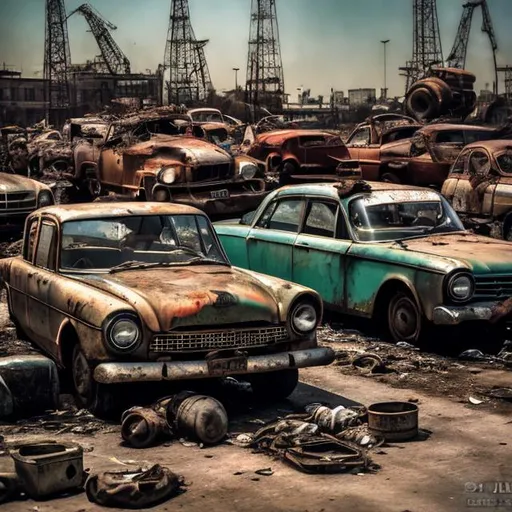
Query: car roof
pixel 493 146
pixel 441 127
pixel 206 109
pixel 85 211
pixel 279 136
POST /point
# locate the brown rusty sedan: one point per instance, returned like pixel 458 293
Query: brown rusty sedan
pixel 143 292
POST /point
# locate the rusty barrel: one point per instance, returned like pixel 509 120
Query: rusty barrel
pixel 395 421
pixel 199 417
pixel 142 427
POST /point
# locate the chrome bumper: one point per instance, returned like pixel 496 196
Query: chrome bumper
pixel 114 373
pixel 454 315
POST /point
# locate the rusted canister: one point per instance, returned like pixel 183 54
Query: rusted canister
pixel 395 421
pixel 142 427
pixel 200 417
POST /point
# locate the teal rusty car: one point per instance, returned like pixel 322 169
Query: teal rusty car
pixel 395 254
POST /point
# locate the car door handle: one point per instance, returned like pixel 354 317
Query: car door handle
pixel 303 244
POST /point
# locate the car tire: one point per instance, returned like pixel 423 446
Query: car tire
pixel 273 386
pixel 507 233
pixel 285 174
pixel 389 177
pixel 404 318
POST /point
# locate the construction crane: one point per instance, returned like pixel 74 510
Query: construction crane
pixel 457 57
pixel 114 61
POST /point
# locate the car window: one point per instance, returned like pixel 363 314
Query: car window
pixel 404 133
pixel 46 250
pixel 285 216
pixel 361 137
pixel 479 164
pixel 321 219
pixel 312 141
pixel 477 135
pixel 30 239
pixel 460 163
pixel 450 137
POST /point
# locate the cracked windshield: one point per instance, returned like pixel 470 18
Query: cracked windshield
pixel 123 242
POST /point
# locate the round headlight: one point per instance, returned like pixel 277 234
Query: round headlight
pixel 304 318
pixel 45 198
pixel 248 171
pixel 167 176
pixel 461 287
pixel 123 333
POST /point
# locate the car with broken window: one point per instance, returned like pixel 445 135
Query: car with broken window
pixel 302 155
pixel 144 292
pixel 20 196
pixel 147 157
pixel 396 254
pixel 425 158
pixel 479 187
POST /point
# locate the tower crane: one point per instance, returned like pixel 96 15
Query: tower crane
pixel 114 60
pixel 457 57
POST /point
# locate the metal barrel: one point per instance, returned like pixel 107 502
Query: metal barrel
pixel 142 427
pixel 200 417
pixel 395 421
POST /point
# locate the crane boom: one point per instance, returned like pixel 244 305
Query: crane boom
pixel 115 60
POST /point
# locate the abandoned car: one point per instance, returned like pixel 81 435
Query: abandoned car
pixel 144 292
pixel 147 157
pixel 425 159
pixel 480 187
pixel 393 253
pixel 20 196
pixel 301 155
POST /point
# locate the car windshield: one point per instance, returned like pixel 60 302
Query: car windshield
pixel 138 241
pixel 396 215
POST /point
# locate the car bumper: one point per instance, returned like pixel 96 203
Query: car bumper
pixel 114 373
pixel 455 315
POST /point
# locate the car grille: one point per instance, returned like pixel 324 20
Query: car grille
pixel 212 172
pixel 17 200
pixel 493 287
pixel 222 339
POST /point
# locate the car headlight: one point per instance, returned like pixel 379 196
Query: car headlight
pixel 303 318
pixel 461 287
pixel 248 171
pixel 167 175
pixel 45 198
pixel 122 332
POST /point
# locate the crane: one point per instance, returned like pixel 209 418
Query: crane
pixel 115 61
pixel 457 57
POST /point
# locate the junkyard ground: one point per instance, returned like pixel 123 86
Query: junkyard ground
pixel 461 442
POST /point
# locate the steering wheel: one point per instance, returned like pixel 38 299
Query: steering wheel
pixel 83 263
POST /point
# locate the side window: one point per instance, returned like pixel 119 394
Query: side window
pixel 479 164
pixel 263 221
pixel 46 247
pixel 321 219
pixel 361 137
pixel 312 141
pixel 286 216
pixel 460 164
pixel 30 240
pixel 477 135
pixel 450 137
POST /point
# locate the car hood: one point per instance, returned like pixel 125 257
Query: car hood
pixel 17 183
pixel 195 296
pixel 481 255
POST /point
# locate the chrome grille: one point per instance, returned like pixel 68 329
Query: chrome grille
pixel 221 339
pixel 211 172
pixel 17 200
pixel 493 287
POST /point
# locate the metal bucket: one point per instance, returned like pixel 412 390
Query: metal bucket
pixel 395 421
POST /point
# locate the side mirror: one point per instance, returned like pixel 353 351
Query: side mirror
pixel 247 219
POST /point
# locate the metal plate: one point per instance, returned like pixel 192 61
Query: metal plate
pixel 219 194
pixel 220 367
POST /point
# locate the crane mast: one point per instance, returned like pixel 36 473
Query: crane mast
pixel 114 60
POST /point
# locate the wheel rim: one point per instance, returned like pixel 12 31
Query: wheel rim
pixel 404 319
pixel 82 376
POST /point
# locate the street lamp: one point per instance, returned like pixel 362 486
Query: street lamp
pixel 236 70
pixel 385 42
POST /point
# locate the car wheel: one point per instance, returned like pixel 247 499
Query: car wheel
pixel 507 235
pixel 389 177
pixel 83 383
pixel 404 318
pixel 285 174
pixel 274 385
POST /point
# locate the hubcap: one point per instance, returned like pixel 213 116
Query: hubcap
pixel 404 321
pixel 81 376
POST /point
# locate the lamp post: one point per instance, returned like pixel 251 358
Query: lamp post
pixel 385 42
pixel 236 70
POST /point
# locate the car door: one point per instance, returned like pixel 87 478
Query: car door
pixel 359 139
pixel 362 148
pixel 110 162
pixel 459 168
pixel 319 251
pixel 39 284
pixel 270 242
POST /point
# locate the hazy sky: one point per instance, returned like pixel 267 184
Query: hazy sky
pixel 325 43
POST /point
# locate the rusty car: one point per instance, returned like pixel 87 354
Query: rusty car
pixel 301 155
pixel 425 158
pixel 396 254
pixel 20 196
pixel 479 187
pixel 147 157
pixel 143 292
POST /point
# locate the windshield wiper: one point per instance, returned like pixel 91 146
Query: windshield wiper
pixel 133 264
pixel 202 259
